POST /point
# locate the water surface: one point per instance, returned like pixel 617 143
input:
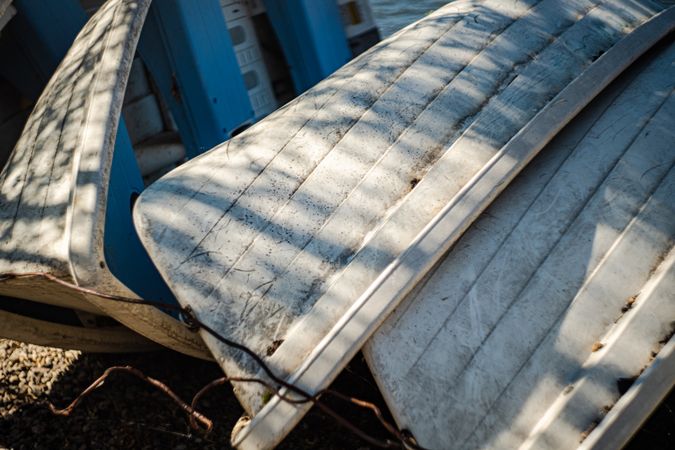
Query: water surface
pixel 392 15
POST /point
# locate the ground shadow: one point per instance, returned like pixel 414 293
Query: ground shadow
pixel 128 413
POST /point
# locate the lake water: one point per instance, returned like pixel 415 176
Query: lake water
pixel 392 15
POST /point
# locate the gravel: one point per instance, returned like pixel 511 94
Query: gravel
pixel 28 373
pixel 128 413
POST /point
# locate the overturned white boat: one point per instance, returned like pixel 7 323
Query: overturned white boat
pixel 530 330
pixel 55 183
pixel 46 324
pixel 298 237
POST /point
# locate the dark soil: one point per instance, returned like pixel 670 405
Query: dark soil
pixel 128 413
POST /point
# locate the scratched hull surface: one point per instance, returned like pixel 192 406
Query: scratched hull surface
pixel 562 287
pixel 54 186
pixel 274 235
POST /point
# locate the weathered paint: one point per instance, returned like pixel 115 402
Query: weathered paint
pixel 518 337
pixel 43 32
pixel 62 213
pixel 285 232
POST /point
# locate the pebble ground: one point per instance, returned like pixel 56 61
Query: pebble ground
pixel 127 413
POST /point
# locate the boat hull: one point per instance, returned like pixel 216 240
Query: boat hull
pixel 561 289
pixel 299 236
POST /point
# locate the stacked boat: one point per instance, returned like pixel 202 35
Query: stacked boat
pixel 482 203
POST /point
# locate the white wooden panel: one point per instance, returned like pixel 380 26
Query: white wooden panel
pixel 507 320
